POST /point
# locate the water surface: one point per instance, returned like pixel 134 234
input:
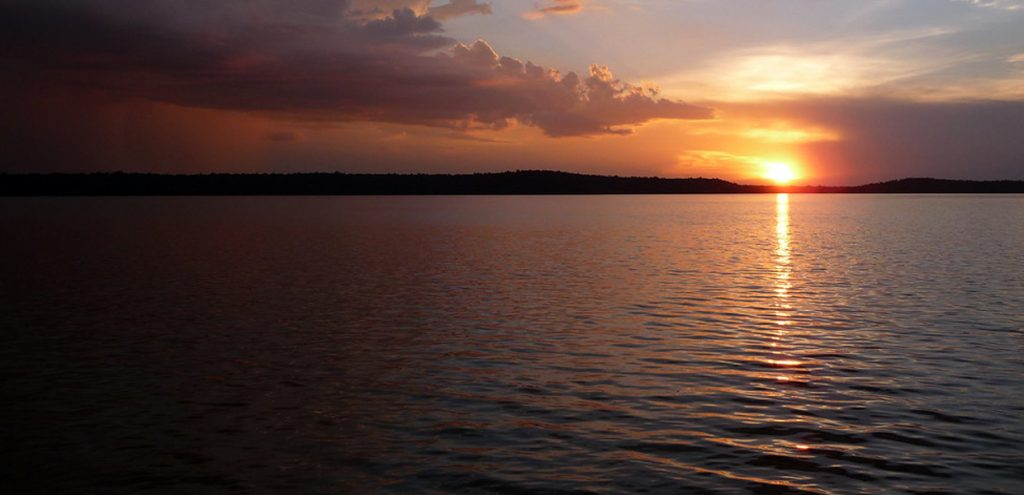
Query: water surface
pixel 586 344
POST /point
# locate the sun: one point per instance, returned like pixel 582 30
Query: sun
pixel 780 173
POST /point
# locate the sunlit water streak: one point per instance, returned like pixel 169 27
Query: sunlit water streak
pixel 696 344
pixel 782 286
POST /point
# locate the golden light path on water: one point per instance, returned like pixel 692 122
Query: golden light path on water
pixel 782 265
pixel 783 305
pixel 783 270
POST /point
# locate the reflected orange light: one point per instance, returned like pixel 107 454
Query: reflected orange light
pixel 782 249
pixel 782 280
pixel 785 362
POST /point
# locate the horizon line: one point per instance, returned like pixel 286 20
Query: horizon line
pixel 775 187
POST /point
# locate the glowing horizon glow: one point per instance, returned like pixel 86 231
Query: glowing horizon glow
pixel 654 89
pixel 780 173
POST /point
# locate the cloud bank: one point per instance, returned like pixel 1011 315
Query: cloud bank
pixel 310 60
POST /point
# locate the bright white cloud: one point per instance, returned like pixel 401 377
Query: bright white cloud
pixel 901 64
pixel 997 4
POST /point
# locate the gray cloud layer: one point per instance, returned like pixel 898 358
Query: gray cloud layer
pixel 314 60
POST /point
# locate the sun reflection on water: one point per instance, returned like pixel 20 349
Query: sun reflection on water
pixel 783 269
pixel 782 260
pixel 787 366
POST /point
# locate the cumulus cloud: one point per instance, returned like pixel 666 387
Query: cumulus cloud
pixel 310 60
pixel 562 104
pixel 373 9
pixel 376 9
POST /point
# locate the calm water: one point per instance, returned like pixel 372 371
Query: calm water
pixel 660 344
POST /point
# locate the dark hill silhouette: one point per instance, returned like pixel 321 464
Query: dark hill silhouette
pixel 929 185
pixel 518 182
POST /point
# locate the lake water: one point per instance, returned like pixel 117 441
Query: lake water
pixel 590 344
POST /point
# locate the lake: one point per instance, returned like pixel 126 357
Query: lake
pixel 521 344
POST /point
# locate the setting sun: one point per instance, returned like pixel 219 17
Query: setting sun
pixel 779 172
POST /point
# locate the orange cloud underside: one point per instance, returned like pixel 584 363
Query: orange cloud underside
pixel 737 150
pixel 555 7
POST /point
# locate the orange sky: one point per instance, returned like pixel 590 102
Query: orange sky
pixel 838 93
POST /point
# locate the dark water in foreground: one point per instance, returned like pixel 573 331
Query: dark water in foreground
pixel 693 344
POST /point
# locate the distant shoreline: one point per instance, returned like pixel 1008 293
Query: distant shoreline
pixel 526 182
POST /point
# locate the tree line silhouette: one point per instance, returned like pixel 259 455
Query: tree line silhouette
pixel 517 182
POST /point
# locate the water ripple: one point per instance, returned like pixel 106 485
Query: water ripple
pixel 705 344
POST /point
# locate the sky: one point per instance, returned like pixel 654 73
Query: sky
pixel 838 91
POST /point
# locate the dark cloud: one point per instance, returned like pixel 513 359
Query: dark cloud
pixel 49 129
pixel 282 136
pixel 402 23
pixel 375 9
pixel 306 60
